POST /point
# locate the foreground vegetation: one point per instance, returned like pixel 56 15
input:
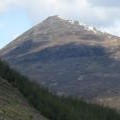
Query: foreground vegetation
pixel 13 106
pixel 54 107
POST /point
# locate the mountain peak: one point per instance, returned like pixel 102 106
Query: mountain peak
pixel 57 20
pixel 56 17
pixel 56 26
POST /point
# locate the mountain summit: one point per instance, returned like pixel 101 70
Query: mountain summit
pixel 70 58
pixel 55 28
pixel 56 25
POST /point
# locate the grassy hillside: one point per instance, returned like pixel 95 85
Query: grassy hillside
pixel 53 107
pixel 13 106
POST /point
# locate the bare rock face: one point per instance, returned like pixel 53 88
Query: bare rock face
pixel 68 57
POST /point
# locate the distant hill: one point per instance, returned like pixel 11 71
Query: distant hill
pixel 70 58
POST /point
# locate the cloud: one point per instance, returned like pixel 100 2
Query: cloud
pixel 114 29
pixel 2 6
pixel 40 9
pixel 99 13
pixel 105 3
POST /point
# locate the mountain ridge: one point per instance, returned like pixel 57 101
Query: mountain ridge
pixel 71 26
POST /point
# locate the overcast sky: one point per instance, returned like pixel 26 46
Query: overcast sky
pixel 17 16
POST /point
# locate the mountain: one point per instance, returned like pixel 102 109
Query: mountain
pixel 13 105
pixel 70 58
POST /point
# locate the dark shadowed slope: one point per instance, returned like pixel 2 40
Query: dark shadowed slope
pixel 49 105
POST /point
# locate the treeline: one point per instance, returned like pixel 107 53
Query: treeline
pixel 54 107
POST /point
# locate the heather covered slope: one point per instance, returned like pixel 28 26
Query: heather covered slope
pixel 70 59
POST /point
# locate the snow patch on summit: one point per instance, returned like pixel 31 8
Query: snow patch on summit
pixel 77 23
pixel 91 28
pixel 73 22
pixel 61 17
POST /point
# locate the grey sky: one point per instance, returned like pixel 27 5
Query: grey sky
pixel 105 3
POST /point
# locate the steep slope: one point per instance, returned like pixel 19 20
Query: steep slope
pixel 69 58
pixel 13 106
